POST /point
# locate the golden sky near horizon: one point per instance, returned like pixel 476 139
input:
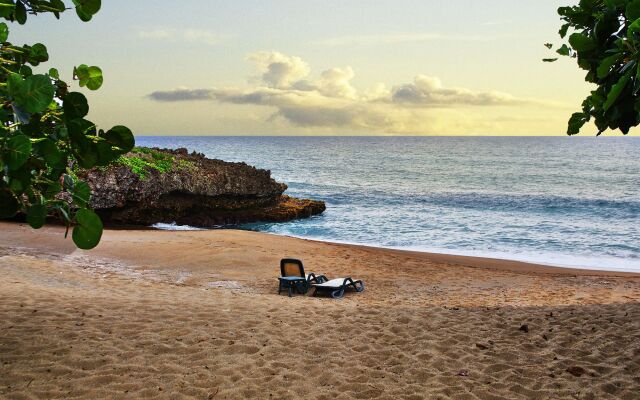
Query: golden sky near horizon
pixel 402 67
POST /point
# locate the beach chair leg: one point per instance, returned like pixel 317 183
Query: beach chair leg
pixel 289 289
pixel 337 294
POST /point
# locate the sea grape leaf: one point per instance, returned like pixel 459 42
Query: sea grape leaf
pixel 34 93
pixel 88 6
pixel 4 32
pixel 21 13
pixel 615 91
pixel 37 54
pixel 632 11
pixel 581 42
pixel 75 105
pixel 91 77
pixel 606 64
pixel 81 194
pixel 54 73
pixel 88 231
pixel 18 151
pixel 121 137
pixel 576 122
pixel 36 215
pixel 564 50
pixel 49 151
pixel 7 8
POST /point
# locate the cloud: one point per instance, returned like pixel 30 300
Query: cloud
pixel 331 101
pixel 183 35
pixel 181 94
pixel 428 91
pixel 279 70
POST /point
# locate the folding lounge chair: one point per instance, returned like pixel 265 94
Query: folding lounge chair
pixel 336 287
pixel 293 276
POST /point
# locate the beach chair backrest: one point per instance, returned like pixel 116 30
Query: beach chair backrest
pixel 291 267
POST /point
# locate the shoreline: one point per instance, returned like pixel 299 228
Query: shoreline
pixel 468 261
pixel 514 263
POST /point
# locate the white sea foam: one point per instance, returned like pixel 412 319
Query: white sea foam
pixel 175 227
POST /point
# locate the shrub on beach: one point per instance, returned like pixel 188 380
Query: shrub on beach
pixel 43 131
pixel 604 39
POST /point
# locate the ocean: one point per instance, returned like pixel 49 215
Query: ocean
pixel 564 201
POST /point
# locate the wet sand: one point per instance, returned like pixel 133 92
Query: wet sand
pixel 196 315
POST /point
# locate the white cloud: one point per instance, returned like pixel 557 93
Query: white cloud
pixel 184 35
pixel 428 91
pixel 278 70
pixel 330 101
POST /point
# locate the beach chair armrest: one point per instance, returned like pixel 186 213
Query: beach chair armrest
pixel 316 278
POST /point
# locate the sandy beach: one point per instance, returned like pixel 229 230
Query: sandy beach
pixel 196 315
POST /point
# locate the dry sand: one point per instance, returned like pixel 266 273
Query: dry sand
pixel 196 314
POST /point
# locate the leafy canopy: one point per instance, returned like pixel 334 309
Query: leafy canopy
pixel 604 38
pixel 43 131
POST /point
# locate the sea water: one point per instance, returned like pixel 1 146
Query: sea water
pixel 566 201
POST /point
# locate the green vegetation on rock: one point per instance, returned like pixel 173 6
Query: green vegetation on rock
pixel 142 160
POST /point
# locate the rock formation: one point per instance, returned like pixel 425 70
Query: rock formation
pixel 148 186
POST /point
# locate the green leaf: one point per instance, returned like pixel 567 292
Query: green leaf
pixel 75 105
pixel 69 183
pixel 57 5
pixel 33 94
pixel 7 8
pixel 606 64
pixel 49 151
pixel 634 28
pixel 121 137
pixel 549 59
pixel 79 128
pixel 90 7
pixel 91 77
pixel 563 30
pixel 616 90
pixel 18 151
pixel 548 45
pixel 564 50
pixel 581 42
pixel 615 3
pixel 85 17
pixel 54 73
pixel 4 32
pixel 21 13
pixel 36 215
pixel 106 155
pixel 37 54
pixel 8 203
pixel 576 122
pixel 81 194
pixel 86 153
pixel 52 190
pixel 88 231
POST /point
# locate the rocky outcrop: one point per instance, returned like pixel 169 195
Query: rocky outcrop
pixel 158 185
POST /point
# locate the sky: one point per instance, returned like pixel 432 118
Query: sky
pixel 330 67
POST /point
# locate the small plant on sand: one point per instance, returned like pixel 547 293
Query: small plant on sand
pixel 604 39
pixel 43 131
